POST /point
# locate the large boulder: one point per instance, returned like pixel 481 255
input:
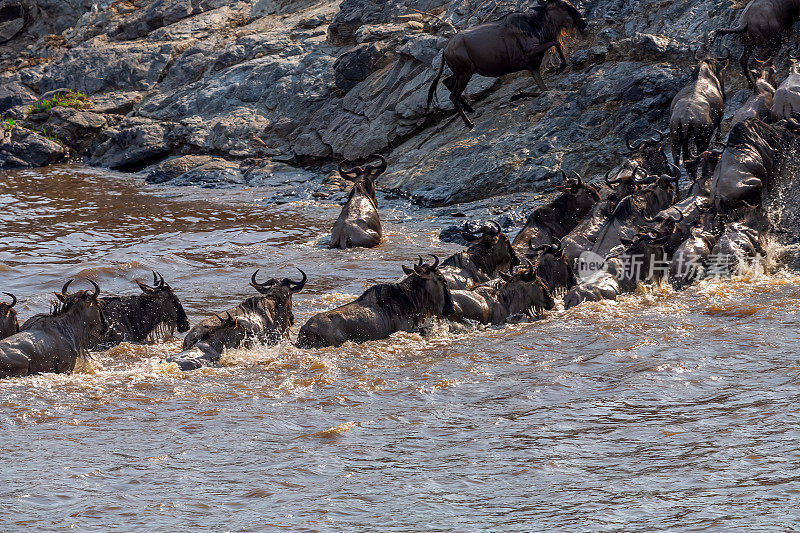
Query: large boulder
pixel 355 66
pixel 197 170
pixel 353 14
pixel 14 94
pixel 76 128
pixel 20 147
pixel 158 14
pixel 133 145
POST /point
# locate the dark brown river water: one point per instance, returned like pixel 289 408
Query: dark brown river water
pixel 661 411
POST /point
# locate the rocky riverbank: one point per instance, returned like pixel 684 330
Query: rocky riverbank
pixel 220 93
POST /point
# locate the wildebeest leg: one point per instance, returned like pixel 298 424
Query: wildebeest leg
pixel 449 82
pixel 459 84
pixel 562 57
pixel 744 61
pixel 537 77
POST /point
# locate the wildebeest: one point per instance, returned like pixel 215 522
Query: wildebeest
pixel 741 240
pixel 53 342
pixel 359 225
pixel 786 100
pixel 749 162
pixel 553 267
pixel 759 105
pixel 489 253
pixel 514 43
pixel 584 235
pixel 762 25
pixel 258 320
pixel 633 211
pixel 556 219
pixel 520 293
pixel 632 261
pixel 139 318
pixel 697 110
pixel 382 310
pixel 647 154
pixel 689 261
pixel 8 317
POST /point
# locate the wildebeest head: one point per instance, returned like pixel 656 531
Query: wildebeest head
pixel 525 292
pixel 668 181
pixel 363 177
pixel 280 290
pixel 8 317
pixel 649 154
pixel 553 266
pixel 431 289
pixel 85 305
pixel 577 187
pixel 564 15
pixel 489 248
pixel 765 80
pixel 711 66
pixel 165 303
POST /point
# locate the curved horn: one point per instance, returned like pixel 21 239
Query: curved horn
pixel 435 264
pixel 298 285
pixel 579 178
pixel 161 281
pixel 66 286
pixel 497 228
pixel 343 172
pixel 661 136
pixel 96 289
pixel 608 181
pixel 13 299
pixel 628 144
pixel 155 278
pixel 380 166
pixel 420 260
pixel 675 168
pixel 680 216
pixel 556 247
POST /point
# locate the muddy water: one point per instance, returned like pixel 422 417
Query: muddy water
pixel 660 411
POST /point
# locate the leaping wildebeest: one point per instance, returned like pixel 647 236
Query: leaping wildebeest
pixel 258 320
pixel 516 42
pixel 139 318
pixel 697 110
pixel 762 25
pixel 53 342
pixel 8 317
pixel 359 225
pixel 382 310
pixel 760 102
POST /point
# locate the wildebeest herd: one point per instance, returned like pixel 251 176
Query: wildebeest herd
pixel 591 242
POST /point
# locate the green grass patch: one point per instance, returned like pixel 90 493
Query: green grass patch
pixel 51 136
pixel 68 99
pixel 8 124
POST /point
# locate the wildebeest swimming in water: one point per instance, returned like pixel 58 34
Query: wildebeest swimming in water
pixel 489 253
pixel 382 310
pixel 138 318
pixel 359 225
pixel 53 342
pixel 762 26
pixel 556 219
pixel 516 42
pixel 697 110
pixel 520 293
pixel 258 320
pixel 8 317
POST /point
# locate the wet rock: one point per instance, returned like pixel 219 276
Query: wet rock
pixel 274 174
pixel 133 144
pixel 20 147
pixel 353 14
pixel 15 94
pixel 203 171
pixel 453 234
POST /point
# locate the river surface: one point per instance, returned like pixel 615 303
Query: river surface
pixel 661 411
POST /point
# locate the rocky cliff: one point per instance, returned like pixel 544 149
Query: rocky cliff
pixel 217 92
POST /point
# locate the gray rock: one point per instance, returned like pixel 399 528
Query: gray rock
pixel 203 171
pixel 20 147
pixel 134 144
pixel 15 94
pixel 159 13
pixel 175 166
pixel 356 65
pixel 116 102
pixel 77 129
